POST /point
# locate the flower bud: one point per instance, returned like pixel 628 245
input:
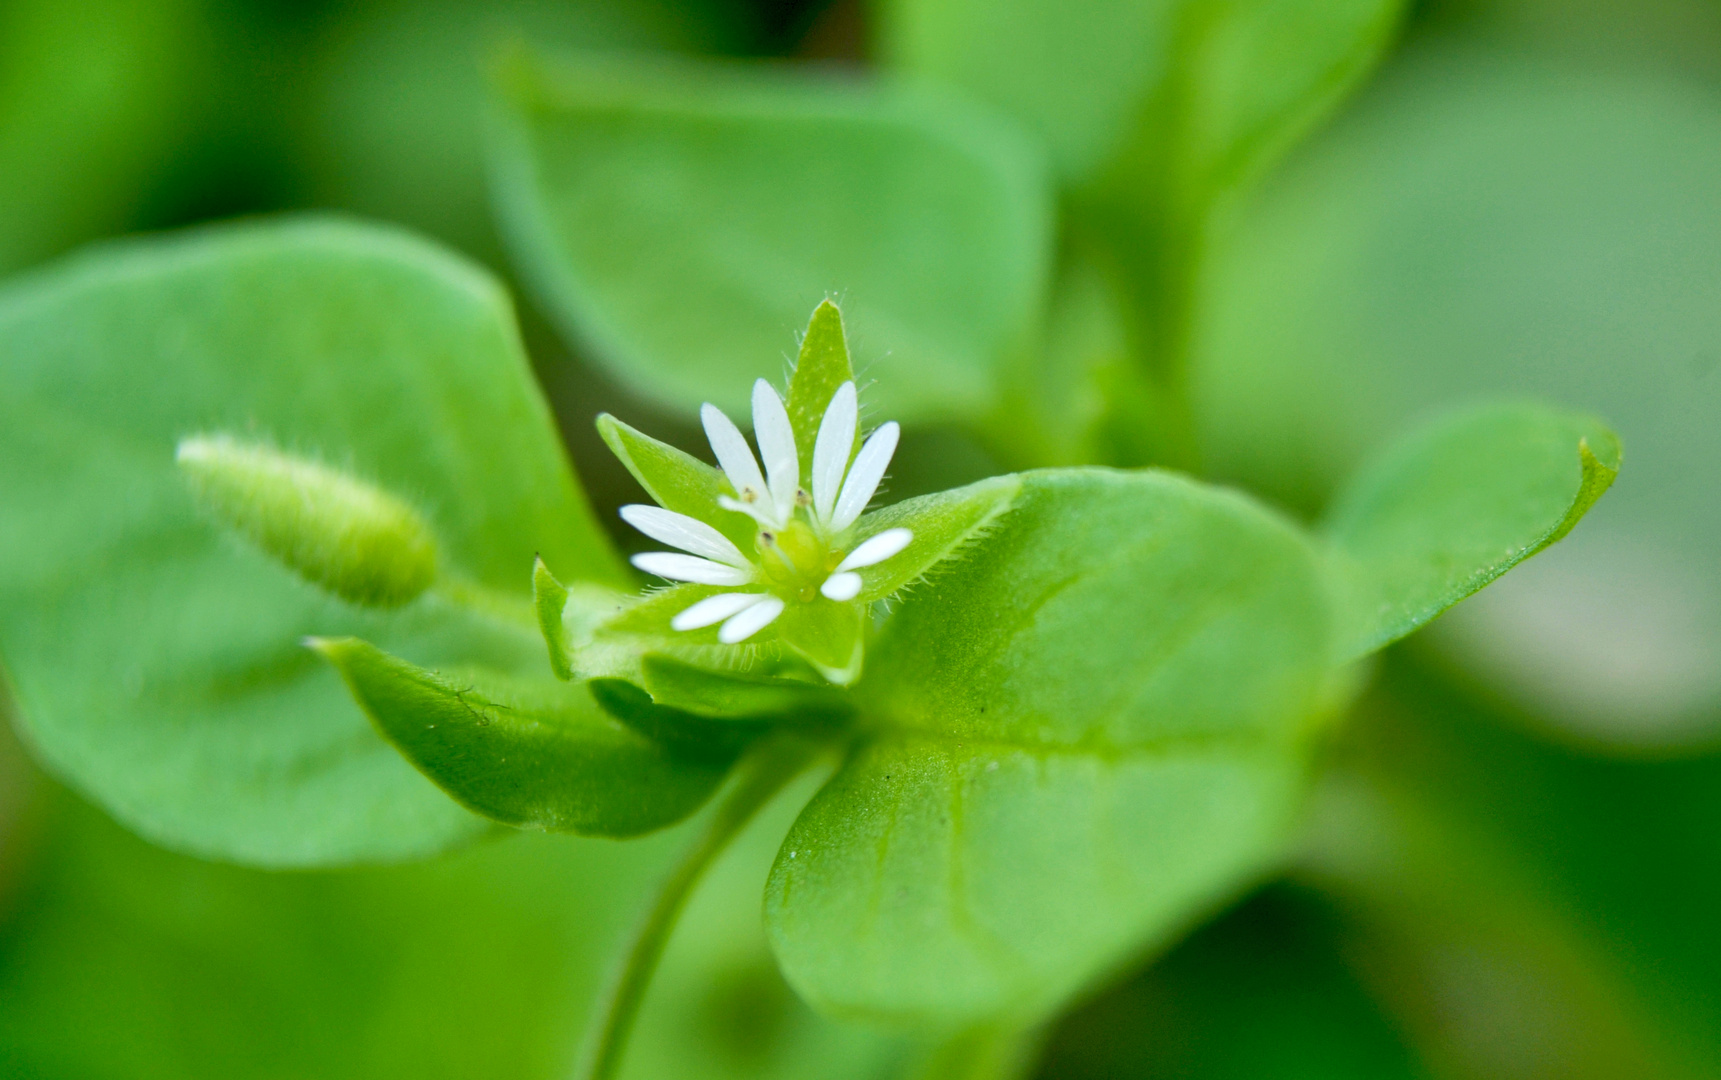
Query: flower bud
pixel 359 542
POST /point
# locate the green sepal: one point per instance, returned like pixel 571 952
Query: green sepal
pixel 677 480
pixel 528 753
pixel 828 635
pixel 649 617
pixel 683 732
pixel 1455 505
pixel 549 599
pixel 741 695
pixel 942 525
pixel 350 537
pixel 823 366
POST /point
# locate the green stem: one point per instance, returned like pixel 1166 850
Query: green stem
pixel 759 777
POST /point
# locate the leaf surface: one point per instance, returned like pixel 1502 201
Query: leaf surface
pixel 1455 505
pixel 156 658
pixel 1075 743
pixel 533 753
pixel 681 220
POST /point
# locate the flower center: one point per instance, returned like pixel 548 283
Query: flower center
pixel 795 560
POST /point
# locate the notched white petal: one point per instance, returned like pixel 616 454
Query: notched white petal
pixel 686 533
pixel 777 446
pixel 714 609
pixel 876 549
pixel 831 450
pixel 841 586
pixel 864 475
pixel 734 456
pixel 676 567
pixel 749 622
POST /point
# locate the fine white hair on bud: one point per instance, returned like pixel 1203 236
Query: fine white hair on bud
pixel 351 537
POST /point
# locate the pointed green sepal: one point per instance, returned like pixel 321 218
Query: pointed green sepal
pixel 823 365
pixel 741 695
pixel 350 537
pixel 549 598
pixel 943 524
pixel 828 635
pixel 529 753
pixel 677 480
pixel 683 732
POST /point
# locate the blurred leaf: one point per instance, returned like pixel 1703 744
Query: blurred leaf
pixel 391 117
pixel 99 101
pixel 1456 504
pixel 1199 91
pixel 681 219
pixel 1523 911
pixel 126 962
pixel 1074 746
pixel 531 753
pixel 157 662
pixel 1265 991
pixel 1576 258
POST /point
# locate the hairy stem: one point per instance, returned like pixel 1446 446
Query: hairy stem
pixel 759 776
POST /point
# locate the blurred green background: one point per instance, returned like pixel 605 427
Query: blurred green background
pixel 1515 858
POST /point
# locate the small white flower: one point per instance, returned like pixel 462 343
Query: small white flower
pixel 799 535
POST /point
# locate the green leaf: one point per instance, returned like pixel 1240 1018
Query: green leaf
pixel 356 540
pixel 530 753
pixel 1195 90
pixel 99 103
pixel 943 524
pixel 156 661
pixel 822 366
pixel 1076 743
pixel 679 219
pixel 1455 505
pixel 1555 280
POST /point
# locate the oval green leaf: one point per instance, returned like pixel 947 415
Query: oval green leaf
pixel 1077 741
pixel 1457 504
pixel 157 661
pixel 533 753
pixel 680 219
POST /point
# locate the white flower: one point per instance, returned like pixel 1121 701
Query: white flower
pixel 799 535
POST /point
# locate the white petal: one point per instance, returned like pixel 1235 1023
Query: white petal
pixel 831 450
pixel 864 476
pixel 876 549
pixel 734 456
pixel 750 622
pixel 714 609
pixel 842 586
pixel 777 446
pixel 688 534
pixel 666 564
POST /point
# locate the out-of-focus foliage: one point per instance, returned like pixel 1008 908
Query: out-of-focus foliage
pixel 1523 204
pixel 156 661
pixel 1519 215
pixel 1523 909
pixel 101 102
pixel 681 219
pixel 123 961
